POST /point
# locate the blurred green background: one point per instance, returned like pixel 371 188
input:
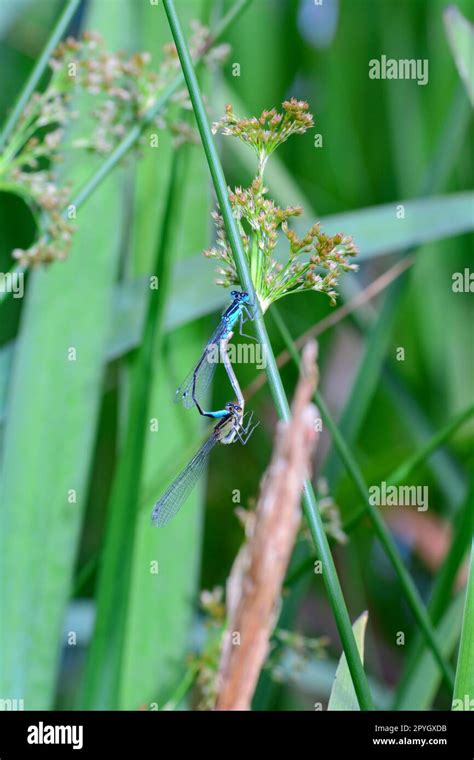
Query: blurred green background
pixel 84 425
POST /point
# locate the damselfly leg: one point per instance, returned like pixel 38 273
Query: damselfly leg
pixel 244 429
pixel 248 317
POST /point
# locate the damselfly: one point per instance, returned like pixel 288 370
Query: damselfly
pixel 230 428
pixel 199 379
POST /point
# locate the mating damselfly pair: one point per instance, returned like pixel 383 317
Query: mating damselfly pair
pixel 233 423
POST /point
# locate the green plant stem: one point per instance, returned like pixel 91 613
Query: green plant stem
pixel 313 517
pixel 409 589
pixel 38 70
pixel 464 686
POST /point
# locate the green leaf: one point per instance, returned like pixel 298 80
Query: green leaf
pixel 49 435
pixel 315 678
pixel 460 34
pixel 140 640
pixel 378 231
pixel 103 673
pixel 343 696
pixel 156 635
pixel 9 12
pixel 6 355
pixel 463 697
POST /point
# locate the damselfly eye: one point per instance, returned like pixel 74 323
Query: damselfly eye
pixel 234 293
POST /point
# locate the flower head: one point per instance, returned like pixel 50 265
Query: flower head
pixel 315 260
pixel 265 133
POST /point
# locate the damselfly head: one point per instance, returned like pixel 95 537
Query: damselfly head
pixel 238 295
pixel 233 408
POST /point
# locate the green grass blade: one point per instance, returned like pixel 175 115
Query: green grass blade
pixel 463 697
pixel 161 605
pixel 460 33
pixel 366 224
pixel 312 515
pixel 343 696
pixel 6 356
pixel 152 609
pixel 315 678
pixel 409 588
pixel 9 13
pixel 104 664
pixel 49 441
